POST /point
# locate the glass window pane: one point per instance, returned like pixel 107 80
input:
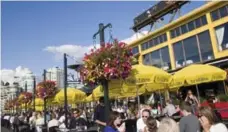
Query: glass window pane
pixel 155 41
pixel 156 59
pixel 173 34
pixel 177 31
pixel 146 59
pixel 191 50
pixel 158 39
pixel 150 43
pixel 205 46
pixel 161 39
pixel 135 50
pixel 166 65
pixel 221 34
pixel 198 23
pixel 165 37
pixel 223 12
pixel 203 20
pixel 191 26
pixel 184 29
pixel 215 15
pixel 143 46
pixel 178 54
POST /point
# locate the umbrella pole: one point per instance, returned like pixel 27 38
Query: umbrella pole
pixel 198 95
pixel 137 94
pixel 224 84
pixel 160 99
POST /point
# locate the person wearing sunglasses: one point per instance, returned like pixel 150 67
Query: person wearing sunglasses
pixel 209 121
pixel 141 122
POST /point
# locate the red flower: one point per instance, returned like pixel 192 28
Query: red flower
pixel 109 61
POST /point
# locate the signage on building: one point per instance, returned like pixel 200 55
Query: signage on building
pixel 156 12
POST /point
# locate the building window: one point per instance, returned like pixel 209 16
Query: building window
pixel 205 46
pixel 159 58
pixel 199 22
pixel 173 35
pixel 191 50
pixel 184 29
pixel 179 54
pixel 156 58
pixel 155 41
pixel 219 13
pixel 146 59
pixel 166 65
pixel 221 34
pixel 135 50
pixel 215 15
pixel 191 26
pixel 203 20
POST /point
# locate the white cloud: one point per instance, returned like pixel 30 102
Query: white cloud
pixel 135 37
pixel 79 51
pixel 7 75
pixel 76 51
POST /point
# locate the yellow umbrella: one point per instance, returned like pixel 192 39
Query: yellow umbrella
pixel 38 102
pixel 196 74
pixel 39 108
pixel 73 95
pixel 98 92
pixel 142 78
pixel 90 98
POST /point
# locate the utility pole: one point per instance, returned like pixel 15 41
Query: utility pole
pixel 25 91
pixel 45 109
pixel 65 88
pixel 34 93
pixel 104 82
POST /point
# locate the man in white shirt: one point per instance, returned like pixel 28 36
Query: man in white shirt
pixel 32 120
pixel 169 109
pixel 53 122
pixel 141 122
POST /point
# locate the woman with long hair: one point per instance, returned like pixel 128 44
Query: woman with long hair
pixel 113 122
pixel 209 122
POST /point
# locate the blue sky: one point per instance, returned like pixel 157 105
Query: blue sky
pixel 30 27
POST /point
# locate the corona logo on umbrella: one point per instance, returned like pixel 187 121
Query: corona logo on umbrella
pixel 25 97
pixel 46 89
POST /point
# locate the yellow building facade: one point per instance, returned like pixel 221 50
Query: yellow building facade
pixel 201 36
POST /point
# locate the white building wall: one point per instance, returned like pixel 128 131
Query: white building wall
pixel 56 74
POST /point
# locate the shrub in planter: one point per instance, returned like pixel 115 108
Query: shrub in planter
pixel 223 97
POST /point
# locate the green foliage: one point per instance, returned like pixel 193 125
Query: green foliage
pixel 176 102
pixel 202 99
pixel 223 97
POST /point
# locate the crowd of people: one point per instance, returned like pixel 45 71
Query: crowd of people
pixel 189 116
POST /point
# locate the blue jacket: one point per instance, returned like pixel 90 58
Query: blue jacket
pixel 110 129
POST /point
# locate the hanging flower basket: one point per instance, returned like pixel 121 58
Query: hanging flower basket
pixel 110 61
pixel 25 97
pixel 46 89
pixel 16 102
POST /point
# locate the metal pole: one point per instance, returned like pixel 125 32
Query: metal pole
pixel 65 88
pixel 34 93
pixel 101 32
pixel 25 91
pixel 45 109
pixel 137 94
pixel 198 95
pixel 104 82
pixel 224 84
